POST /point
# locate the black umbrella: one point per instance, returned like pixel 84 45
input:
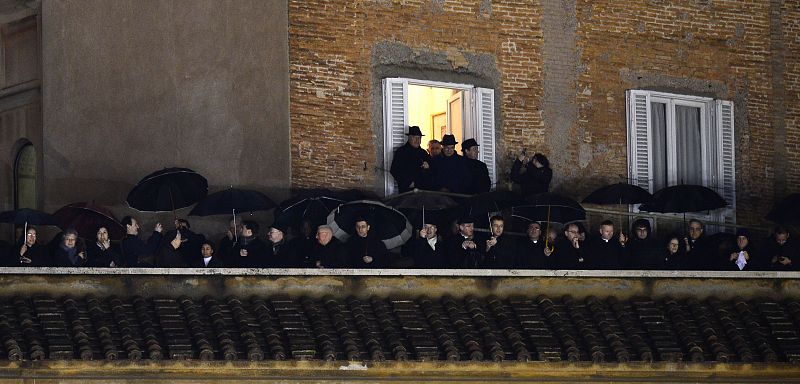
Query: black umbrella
pixel 684 198
pixel 620 193
pixel 786 211
pixel 27 216
pixel 416 203
pixel 389 224
pixel 313 205
pixel 232 200
pixel 485 205
pixel 86 218
pixel 551 208
pixel 167 190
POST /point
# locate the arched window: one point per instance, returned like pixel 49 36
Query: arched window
pixel 25 177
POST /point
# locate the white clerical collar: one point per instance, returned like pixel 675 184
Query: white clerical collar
pixel 206 260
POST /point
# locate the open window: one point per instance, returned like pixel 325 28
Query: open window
pixel 438 108
pixel 680 139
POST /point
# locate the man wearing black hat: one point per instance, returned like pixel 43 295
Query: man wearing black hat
pixel 478 171
pixel 280 252
pixel 411 164
pixel 450 171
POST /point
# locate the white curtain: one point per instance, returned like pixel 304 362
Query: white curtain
pixel 658 124
pixel 689 151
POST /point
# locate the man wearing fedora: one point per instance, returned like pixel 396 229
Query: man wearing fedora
pixel 411 164
pixel 478 171
pixel 450 171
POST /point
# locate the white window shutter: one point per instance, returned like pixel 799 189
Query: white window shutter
pixel 727 156
pixel 395 108
pixel 640 168
pixel 484 108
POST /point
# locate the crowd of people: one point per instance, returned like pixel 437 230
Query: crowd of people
pixel 450 244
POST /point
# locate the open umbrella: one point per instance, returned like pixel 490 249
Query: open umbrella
pixel 619 193
pixel 684 198
pixel 389 224
pixel 486 205
pixel 786 211
pixel 167 190
pixel 313 205
pixel 231 200
pixel 551 208
pixel 86 218
pixel 27 216
pixel 415 203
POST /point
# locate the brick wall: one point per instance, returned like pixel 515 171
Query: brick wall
pixel 720 49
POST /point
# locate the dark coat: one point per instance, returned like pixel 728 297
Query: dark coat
pixel 103 257
pixel 644 253
pixel 190 249
pixel 407 167
pixel 479 175
pixel 773 251
pixel 169 257
pixel 331 255
pixel 565 256
pixel 533 180
pixel 531 255
pixel 304 248
pixel 603 254
pixel 61 257
pixel 423 255
pixel 753 262
pixel 451 174
pixel 458 257
pixel 256 254
pixel 701 255
pixel 503 255
pixel 215 262
pixel 283 255
pixel 37 253
pixel 358 247
pixel 137 253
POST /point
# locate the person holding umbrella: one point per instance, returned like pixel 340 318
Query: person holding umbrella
pixel 364 250
pixel 250 251
pixel 137 253
pixel 531 248
pixel 426 248
pixel 462 250
pixel 501 252
pixel 30 253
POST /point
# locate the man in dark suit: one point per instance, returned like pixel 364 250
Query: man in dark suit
pixel 280 252
pixel 462 249
pixel 531 249
pixel 501 252
pixel 449 171
pixel 606 251
pixel 479 173
pixel 411 164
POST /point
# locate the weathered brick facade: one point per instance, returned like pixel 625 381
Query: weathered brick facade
pixel 564 67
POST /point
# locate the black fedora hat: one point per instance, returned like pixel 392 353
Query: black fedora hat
pixel 469 143
pixel 414 131
pixel 449 140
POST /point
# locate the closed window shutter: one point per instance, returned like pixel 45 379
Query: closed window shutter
pixel 727 156
pixel 639 139
pixel 485 121
pixel 395 121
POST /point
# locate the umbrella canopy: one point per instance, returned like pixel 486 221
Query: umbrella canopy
pixel 421 199
pixel 167 190
pixel 232 200
pixel 313 205
pixel 387 223
pixel 550 207
pixel 786 211
pixel 684 198
pixel 86 218
pixel 28 217
pixel 620 193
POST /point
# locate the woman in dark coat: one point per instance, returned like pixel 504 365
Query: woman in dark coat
pixel 101 252
pixel 742 257
pixel 29 253
pixel 675 257
pixel 535 177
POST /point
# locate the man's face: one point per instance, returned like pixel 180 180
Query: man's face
pixel 497 227
pixel 362 228
pixel 695 230
pixel 641 233
pixel 742 241
pixel 781 238
pixel 466 229
pixel 69 241
pixel 606 231
pixel 430 231
pixel 206 250
pixel 534 231
pixel 572 232
pixel 472 152
pixel 324 236
pixel 673 246
pixel 275 235
pixel 246 232
pixel 133 228
pixel 415 141
pixel 434 148
pixel 448 150
pixel 102 235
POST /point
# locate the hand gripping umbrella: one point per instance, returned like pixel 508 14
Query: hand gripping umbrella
pixel 230 201
pixel 389 224
pixel 167 190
